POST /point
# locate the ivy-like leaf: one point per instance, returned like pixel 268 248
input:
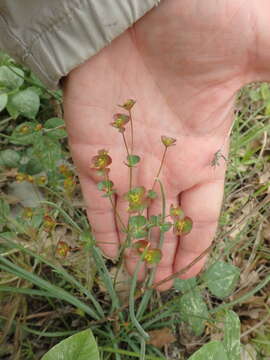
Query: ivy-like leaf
pixel 193 310
pixel 185 285
pixel 11 78
pixel 214 350
pixel 81 346
pixel 232 333
pixel 221 279
pixel 25 103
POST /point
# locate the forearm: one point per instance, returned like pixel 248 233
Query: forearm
pixel 53 37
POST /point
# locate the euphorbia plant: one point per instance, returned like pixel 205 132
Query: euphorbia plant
pixel 138 228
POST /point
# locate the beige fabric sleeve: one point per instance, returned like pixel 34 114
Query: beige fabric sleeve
pixel 54 36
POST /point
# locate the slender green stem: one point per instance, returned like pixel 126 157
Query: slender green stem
pixel 125 142
pixel 128 154
pixel 160 167
pixel 148 293
pixel 132 131
pixel 114 207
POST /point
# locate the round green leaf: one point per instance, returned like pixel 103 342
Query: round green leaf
pixel 133 160
pixel 11 78
pixel 152 194
pixel 3 101
pixel 221 279
pixel 165 227
pixel 81 346
pixel 214 350
pixel 9 158
pixel 137 220
pixel 105 185
pixel 33 167
pixel 25 103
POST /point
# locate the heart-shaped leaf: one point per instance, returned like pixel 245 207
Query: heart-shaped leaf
pixel 193 310
pixel 11 78
pixel 214 350
pixel 81 346
pixel 221 279
pixel 232 333
pixel 25 103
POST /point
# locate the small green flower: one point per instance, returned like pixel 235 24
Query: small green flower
pixel 101 161
pixel 183 226
pixel 168 141
pixel 120 120
pixel 152 256
pixel 176 212
pixel 136 198
pixel 128 105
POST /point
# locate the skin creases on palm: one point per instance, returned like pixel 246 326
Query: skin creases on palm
pixel 183 63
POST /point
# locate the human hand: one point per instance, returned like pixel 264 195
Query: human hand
pixel 183 63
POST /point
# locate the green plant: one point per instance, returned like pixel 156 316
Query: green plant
pixel 49 259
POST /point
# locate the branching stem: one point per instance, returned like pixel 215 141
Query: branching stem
pixel 161 165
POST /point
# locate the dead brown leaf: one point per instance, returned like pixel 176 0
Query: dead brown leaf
pixel 161 337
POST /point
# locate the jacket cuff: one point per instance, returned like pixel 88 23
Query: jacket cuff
pixel 79 32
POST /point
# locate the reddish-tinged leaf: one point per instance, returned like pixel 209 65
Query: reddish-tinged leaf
pixel 141 245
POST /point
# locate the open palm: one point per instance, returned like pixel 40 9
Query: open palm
pixel 183 63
